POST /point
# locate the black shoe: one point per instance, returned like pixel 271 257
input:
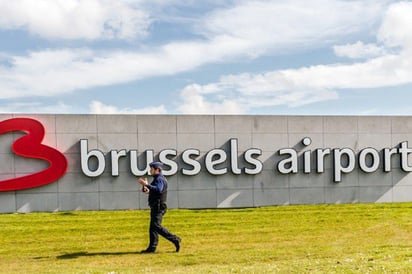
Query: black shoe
pixel 148 250
pixel 177 244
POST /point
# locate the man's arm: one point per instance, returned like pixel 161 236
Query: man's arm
pixel 157 186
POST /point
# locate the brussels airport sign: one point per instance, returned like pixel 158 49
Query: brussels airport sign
pixel 216 161
pixel 343 160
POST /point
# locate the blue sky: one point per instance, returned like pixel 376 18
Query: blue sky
pixel 322 57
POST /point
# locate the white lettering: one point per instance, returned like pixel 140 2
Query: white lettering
pixel 337 162
pixel 306 155
pixel 387 155
pixel 374 158
pixel 172 164
pixel 187 160
pixel 115 155
pixel 404 151
pixel 134 162
pixel 213 158
pixel 85 156
pixel 93 162
pixel 233 157
pixel 320 159
pixel 291 161
pixel 258 166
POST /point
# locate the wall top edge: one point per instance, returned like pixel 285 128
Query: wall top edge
pixel 13 115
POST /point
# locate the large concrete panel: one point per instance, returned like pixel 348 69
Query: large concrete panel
pixel 36 202
pixel 377 178
pixel 377 141
pixel 202 181
pixel 270 141
pixel 305 124
pixel 7 163
pixel 233 124
pixel 244 141
pixel 76 124
pixel 402 193
pixel 401 124
pixel 341 195
pixel 196 124
pixel 117 124
pixel 230 181
pixel 123 182
pixel 156 124
pixel 70 142
pixel 341 140
pixel 234 198
pixel 7 202
pixel 157 141
pixel 119 200
pixel 77 182
pixel 306 180
pixel 377 194
pixel 29 165
pixel 336 124
pixel 271 196
pixel 270 179
pixel 108 142
pixel 269 124
pixel 372 125
pixel 195 199
pixel 203 142
pixel 172 199
pixel 79 201
pixel 6 142
pixel 313 195
pixel 401 178
pixel 49 188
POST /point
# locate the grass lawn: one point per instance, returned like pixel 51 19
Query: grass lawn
pixel 359 238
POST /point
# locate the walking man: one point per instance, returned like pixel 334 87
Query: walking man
pixel 157 191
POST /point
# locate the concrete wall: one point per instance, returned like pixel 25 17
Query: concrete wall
pixel 75 191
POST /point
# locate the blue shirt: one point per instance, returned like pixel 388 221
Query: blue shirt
pixel 158 190
pixel 158 183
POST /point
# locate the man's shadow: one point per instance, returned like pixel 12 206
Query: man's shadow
pixel 76 255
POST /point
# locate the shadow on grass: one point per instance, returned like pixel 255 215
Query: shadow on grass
pixel 76 255
pixel 87 254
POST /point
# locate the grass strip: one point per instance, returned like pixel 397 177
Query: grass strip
pixel 366 238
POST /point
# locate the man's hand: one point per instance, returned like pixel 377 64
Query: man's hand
pixel 145 190
pixel 143 182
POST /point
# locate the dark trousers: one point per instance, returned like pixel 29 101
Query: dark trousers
pixel 156 228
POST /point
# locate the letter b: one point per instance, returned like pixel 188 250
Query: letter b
pixel 85 156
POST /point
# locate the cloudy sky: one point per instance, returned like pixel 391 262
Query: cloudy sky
pixel 327 57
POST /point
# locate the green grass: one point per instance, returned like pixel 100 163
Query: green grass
pixel 373 238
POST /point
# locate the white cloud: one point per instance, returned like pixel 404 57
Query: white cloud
pixel 275 25
pixel 396 29
pixel 193 102
pixel 359 50
pixel 75 19
pixel 248 29
pixel 97 107
pixel 384 67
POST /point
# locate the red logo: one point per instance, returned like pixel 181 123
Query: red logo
pixel 30 146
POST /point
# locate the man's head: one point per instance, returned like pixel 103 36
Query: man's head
pixel 155 168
